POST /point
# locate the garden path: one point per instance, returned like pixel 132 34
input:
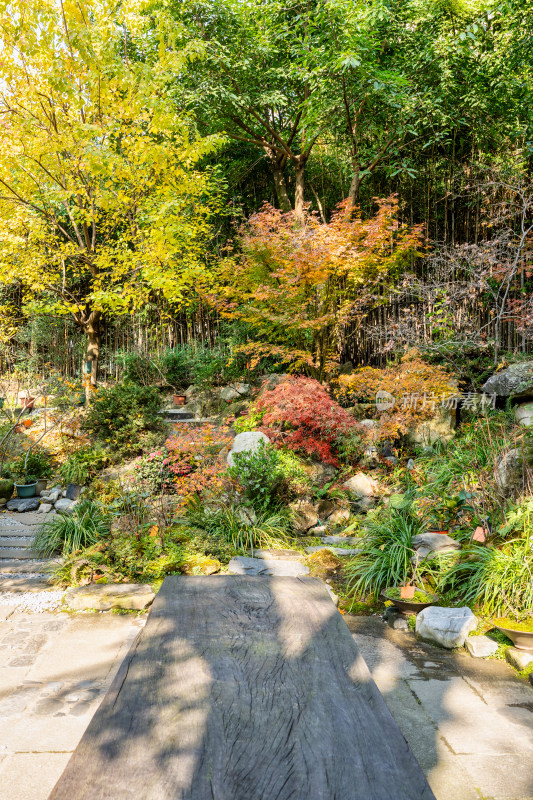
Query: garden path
pixel 468 721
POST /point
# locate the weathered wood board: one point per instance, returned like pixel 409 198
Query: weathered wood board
pixel 243 688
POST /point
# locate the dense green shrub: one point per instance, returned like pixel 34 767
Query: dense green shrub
pixel 39 464
pixel 137 369
pixel 83 465
pixel 120 415
pixel 260 476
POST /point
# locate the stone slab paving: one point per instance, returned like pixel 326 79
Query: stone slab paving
pixel 54 671
pixel 468 721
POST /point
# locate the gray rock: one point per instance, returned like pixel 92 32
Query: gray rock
pixel 410 464
pixel 54 495
pixel 44 508
pixel 304 516
pixel 340 540
pixel 318 530
pixel 44 493
pixel 277 555
pixel 519 659
pixel 338 551
pixel 515 381
pixel 481 646
pixel 234 392
pixel 320 472
pixel 20 504
pixel 395 619
pixel 339 516
pixel 448 627
pixel 269 382
pixel 439 428
pixel 523 414
pixel 65 505
pixel 510 469
pixel 362 485
pixel 243 565
pixel 325 508
pixel 247 442
pixel 103 597
pixel 426 543
pixel 370 424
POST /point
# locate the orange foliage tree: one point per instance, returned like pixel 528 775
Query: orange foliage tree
pixel 296 286
pixel 417 389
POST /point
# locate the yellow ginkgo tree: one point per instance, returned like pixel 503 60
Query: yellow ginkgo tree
pixel 102 202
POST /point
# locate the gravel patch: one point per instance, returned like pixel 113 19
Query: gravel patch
pixel 33 601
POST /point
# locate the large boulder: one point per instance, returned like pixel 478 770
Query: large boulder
pixel 362 485
pixel 304 516
pixel 236 391
pixel 441 427
pixel 104 597
pixel 448 627
pixel 21 504
pixel 523 414
pixel 426 543
pixel 247 442
pixel 515 381
pixel 65 505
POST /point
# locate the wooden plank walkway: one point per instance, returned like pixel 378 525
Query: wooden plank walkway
pixel 243 688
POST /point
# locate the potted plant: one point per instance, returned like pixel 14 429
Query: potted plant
pixel 520 632
pixel 80 468
pixel 180 399
pixel 412 601
pixel 28 488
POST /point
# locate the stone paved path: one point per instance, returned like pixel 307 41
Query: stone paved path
pixel 54 671
pixel 468 721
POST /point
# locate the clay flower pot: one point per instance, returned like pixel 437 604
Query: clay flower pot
pixel 179 399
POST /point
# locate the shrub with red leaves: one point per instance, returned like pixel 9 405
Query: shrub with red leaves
pixel 300 414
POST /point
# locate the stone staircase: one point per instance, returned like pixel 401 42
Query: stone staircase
pixel 20 568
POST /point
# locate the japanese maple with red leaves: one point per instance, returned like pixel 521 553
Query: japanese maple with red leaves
pixel 300 414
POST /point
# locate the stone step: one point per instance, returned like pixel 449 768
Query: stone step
pixel 19 532
pixel 177 414
pixel 340 552
pixel 20 583
pixel 16 541
pixel 28 566
pixel 16 552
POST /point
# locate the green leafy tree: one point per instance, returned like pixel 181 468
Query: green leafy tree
pixel 101 200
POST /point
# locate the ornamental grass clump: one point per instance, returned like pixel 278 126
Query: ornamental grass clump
pixel 67 533
pixel 386 552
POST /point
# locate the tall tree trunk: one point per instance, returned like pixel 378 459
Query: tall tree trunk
pixel 299 207
pixel 353 194
pixel 281 190
pixel 93 333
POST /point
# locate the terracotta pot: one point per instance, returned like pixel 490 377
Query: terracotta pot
pixel 407 592
pixel 435 530
pixel 27 402
pixel 42 483
pixel 179 399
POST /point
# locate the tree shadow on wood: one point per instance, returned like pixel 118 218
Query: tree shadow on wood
pixel 243 688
